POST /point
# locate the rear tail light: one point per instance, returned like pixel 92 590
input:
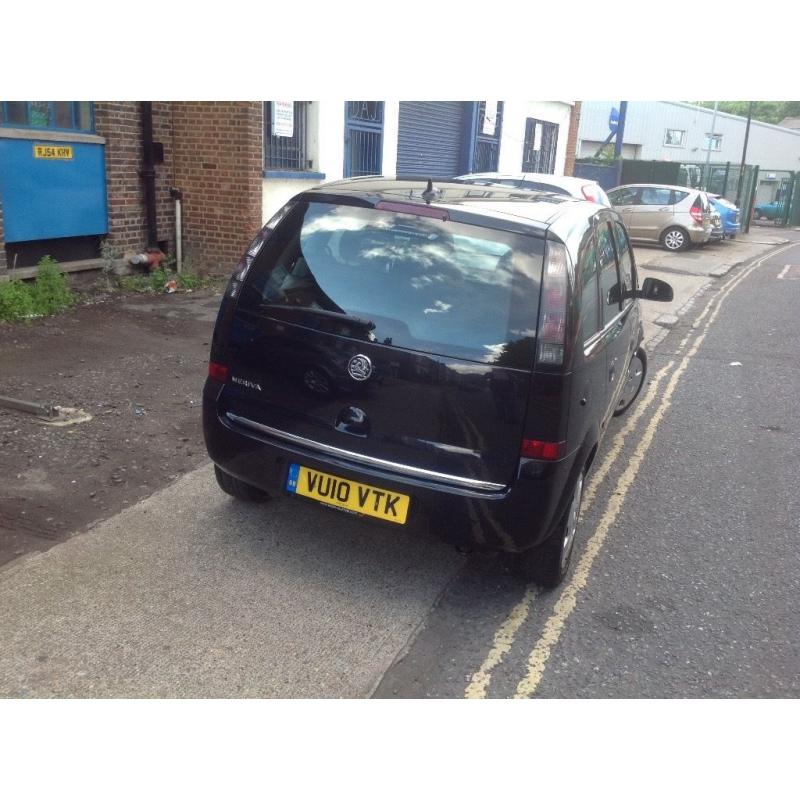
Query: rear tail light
pixel 545 451
pixel 697 213
pixel 246 261
pixel 552 338
pixel 219 372
pixel 590 192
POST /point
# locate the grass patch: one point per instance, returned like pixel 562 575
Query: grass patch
pixel 48 294
pixel 188 280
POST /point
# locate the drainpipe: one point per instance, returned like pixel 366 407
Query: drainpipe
pixel 177 196
pixel 148 173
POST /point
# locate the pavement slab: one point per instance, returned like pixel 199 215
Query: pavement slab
pixel 192 594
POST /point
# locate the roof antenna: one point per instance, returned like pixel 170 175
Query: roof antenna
pixel 430 193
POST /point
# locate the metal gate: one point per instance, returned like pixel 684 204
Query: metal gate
pixel 363 138
pixel 486 153
pixel 539 147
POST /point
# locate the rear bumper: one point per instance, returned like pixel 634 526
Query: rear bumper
pixel 699 235
pixel 514 519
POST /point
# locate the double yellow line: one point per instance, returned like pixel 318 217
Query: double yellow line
pixel 565 604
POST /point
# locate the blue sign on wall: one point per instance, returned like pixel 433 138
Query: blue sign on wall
pixel 62 192
pixel 613 120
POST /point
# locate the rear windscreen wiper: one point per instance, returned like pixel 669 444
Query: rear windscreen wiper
pixel 338 316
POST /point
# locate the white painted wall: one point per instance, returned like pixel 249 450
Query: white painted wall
pixel 391 128
pixel 515 115
pixel 326 144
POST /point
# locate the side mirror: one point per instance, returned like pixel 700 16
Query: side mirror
pixel 652 289
pixel 655 289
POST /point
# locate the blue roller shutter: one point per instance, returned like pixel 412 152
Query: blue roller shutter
pixel 431 139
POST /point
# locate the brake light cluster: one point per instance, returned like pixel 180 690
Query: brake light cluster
pixel 545 451
pixel 590 193
pixel 551 341
pixel 696 212
pixel 219 372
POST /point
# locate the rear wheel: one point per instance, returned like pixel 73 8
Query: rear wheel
pixel 675 239
pixel 239 489
pixel 549 563
pixel 634 380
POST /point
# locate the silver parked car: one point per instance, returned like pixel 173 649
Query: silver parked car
pixel 675 216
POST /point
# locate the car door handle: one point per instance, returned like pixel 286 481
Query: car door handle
pixel 664 209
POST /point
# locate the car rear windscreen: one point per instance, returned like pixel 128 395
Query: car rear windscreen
pixel 408 281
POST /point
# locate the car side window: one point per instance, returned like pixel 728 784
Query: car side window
pixel 609 278
pixel 652 196
pixel 625 261
pixel 624 197
pixel 678 197
pixel 587 272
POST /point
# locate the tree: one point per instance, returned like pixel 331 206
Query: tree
pixel 772 111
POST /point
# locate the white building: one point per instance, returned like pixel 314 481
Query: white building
pixel 309 143
pixel 674 131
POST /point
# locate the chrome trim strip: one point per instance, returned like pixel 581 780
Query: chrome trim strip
pixel 415 472
pixel 594 339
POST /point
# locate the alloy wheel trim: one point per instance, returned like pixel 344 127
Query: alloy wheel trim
pixel 632 382
pixel 568 542
pixel 674 240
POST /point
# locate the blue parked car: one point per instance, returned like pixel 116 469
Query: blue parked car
pixel 772 210
pixel 728 213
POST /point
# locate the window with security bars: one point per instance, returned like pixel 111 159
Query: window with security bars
pixel 363 138
pixel 284 150
pixel 539 148
pixel 50 114
pixel 487 138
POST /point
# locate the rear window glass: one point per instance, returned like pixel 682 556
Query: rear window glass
pixel 401 280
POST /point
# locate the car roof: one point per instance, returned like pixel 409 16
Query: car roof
pixel 655 186
pixel 539 177
pixel 522 207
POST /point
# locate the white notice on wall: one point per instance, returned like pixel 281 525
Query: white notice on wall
pixel 283 118
pixel 537 136
pixel 490 118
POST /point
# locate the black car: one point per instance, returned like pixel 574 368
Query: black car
pixel 413 353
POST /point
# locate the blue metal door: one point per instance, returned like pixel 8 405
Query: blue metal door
pixel 55 191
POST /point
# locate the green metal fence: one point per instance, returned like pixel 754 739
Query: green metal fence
pixel 738 185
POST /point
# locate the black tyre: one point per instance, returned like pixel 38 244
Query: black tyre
pixel 675 239
pixel 549 563
pixel 239 489
pixel 634 380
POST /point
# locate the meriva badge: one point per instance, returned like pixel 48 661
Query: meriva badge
pixel 359 367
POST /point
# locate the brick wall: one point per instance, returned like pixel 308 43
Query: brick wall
pixel 572 138
pixel 120 123
pixel 3 264
pixel 217 157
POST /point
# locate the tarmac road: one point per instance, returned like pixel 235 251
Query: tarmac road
pixel 685 584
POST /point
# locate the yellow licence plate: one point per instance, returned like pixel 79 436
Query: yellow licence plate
pixel 60 151
pixel 350 495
